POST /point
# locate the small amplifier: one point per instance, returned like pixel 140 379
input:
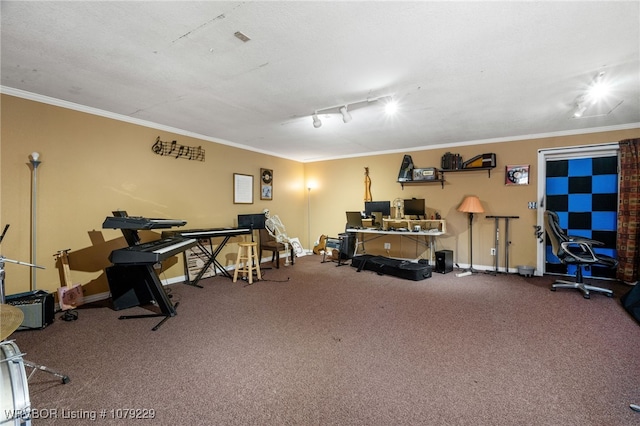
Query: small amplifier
pixel 37 307
pixel 428 173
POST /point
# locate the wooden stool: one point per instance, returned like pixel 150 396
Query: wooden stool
pixel 247 261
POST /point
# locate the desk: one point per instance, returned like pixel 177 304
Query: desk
pixel 374 234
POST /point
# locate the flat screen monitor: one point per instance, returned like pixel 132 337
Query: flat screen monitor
pixel 383 207
pixel 414 207
pixel 253 221
pixel 354 220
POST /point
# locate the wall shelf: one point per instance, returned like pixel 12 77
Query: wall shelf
pixel 441 179
pixel 421 182
pixel 474 169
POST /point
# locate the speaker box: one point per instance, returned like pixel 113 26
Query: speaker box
pixel 631 302
pixel 444 261
pixel 38 308
pixel 129 286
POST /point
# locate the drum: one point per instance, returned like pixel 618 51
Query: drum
pixel 15 406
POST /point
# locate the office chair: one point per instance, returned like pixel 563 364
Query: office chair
pixel 576 251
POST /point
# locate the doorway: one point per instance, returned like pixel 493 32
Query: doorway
pixel 581 185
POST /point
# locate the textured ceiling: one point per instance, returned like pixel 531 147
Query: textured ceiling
pixel 462 72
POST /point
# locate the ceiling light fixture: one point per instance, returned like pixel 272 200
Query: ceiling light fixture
pixel 597 90
pixel 345 108
pixel 346 117
pixel 391 107
pixel 316 121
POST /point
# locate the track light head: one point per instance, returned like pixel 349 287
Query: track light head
pixel 346 117
pixel 316 121
pixel 579 110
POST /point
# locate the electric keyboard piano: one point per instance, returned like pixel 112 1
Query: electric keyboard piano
pixel 138 222
pixel 152 252
pixel 208 234
pixel 132 278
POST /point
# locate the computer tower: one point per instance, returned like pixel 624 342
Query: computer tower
pixel 444 261
pixel 347 245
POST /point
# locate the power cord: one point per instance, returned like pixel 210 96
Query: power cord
pixel 69 315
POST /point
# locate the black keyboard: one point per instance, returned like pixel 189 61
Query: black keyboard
pixel 151 252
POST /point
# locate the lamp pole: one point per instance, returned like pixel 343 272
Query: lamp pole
pixel 471 242
pixel 34 158
pixel 310 250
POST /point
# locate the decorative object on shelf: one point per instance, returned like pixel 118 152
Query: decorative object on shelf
pixel 471 204
pixel 367 185
pixel 425 174
pixel 480 161
pixel 516 175
pixel 266 184
pixel 398 205
pixel 451 161
pixel 172 149
pixel 242 189
pixel 406 169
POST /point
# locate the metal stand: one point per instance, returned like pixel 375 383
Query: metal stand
pixel 35 367
pixel 334 243
pixel 470 269
pixel 507 242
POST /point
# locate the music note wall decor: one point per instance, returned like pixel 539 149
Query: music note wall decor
pixel 172 149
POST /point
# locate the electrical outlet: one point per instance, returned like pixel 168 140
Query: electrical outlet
pixel 493 251
pixel 387 246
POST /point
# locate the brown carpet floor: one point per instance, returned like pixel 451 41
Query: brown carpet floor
pixel 316 344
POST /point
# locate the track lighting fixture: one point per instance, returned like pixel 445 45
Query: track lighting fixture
pixel 346 117
pixel 580 108
pixel 345 108
pixel 316 121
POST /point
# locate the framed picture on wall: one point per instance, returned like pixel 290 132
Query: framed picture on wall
pixel 516 175
pixel 242 189
pixel 266 184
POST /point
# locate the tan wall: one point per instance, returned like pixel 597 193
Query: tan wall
pixel 93 165
pixel 341 188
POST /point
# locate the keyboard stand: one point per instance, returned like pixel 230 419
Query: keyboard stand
pixel 155 288
pixel 506 240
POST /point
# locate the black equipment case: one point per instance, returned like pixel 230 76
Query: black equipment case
pixel 395 267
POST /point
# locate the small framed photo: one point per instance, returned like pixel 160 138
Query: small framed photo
pixel 516 175
pixel 242 189
pixel 266 184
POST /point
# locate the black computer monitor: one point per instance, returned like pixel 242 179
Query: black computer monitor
pixel 383 207
pixel 414 207
pixel 253 221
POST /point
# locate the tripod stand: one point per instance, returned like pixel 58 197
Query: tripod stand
pixel 12 317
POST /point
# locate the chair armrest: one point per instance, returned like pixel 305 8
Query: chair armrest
pixel 586 254
pixel 584 240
